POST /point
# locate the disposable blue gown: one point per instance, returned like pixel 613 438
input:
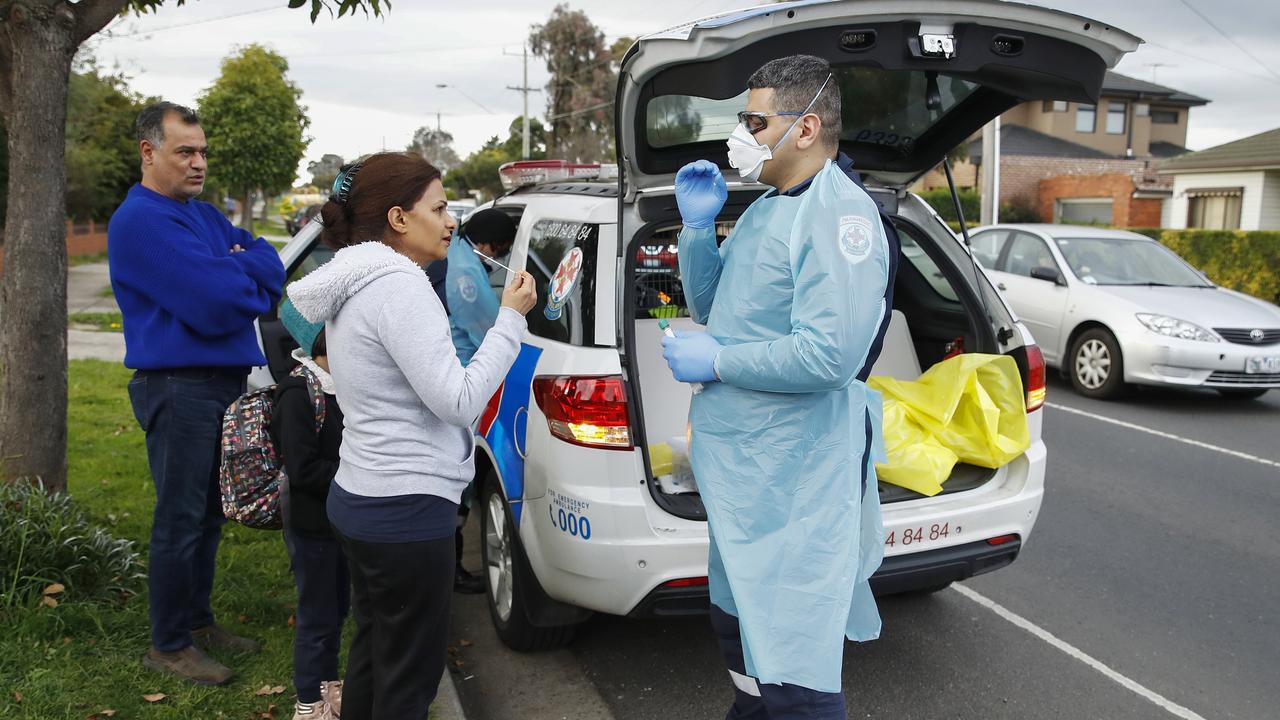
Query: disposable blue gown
pixel 784 447
pixel 473 305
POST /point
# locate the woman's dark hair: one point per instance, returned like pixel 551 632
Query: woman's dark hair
pixel 379 183
pixel 319 348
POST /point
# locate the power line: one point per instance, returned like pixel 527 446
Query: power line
pixel 1179 51
pixel 1230 39
pixel 152 31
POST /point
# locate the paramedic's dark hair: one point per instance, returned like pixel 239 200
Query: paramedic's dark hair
pixel 795 79
pixel 384 181
pixel 150 123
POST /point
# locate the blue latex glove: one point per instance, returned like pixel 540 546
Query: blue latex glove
pixel 700 193
pixel 692 356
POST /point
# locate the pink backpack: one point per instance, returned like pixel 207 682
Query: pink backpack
pixel 252 474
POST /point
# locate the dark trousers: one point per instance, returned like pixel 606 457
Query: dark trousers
pixel 324 597
pixel 400 594
pixel 181 413
pixel 754 700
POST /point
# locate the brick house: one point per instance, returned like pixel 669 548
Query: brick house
pixel 1111 151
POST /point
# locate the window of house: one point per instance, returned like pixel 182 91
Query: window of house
pixel 1164 116
pixel 1086 118
pixel 1055 106
pixel 1116 112
pixel 1083 211
pixel 1214 208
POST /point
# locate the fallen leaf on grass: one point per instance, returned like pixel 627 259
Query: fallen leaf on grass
pixel 268 714
pixel 269 690
pixel 154 697
pixel 292 621
pixel 48 602
pixel 17 697
pixel 53 589
pixel 101 714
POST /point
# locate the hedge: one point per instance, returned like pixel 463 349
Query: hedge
pixel 1247 261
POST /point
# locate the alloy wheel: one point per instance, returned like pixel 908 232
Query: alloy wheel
pixel 498 554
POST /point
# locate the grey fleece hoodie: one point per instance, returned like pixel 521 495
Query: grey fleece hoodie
pixel 407 402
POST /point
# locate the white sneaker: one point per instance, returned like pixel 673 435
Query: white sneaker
pixel 313 711
pixel 331 692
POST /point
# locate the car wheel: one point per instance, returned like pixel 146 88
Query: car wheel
pixel 1250 394
pixel 1097 368
pixel 507 578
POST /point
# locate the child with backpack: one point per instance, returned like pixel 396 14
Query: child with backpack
pixel 310 459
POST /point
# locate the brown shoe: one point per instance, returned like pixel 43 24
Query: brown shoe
pixel 215 637
pixel 190 664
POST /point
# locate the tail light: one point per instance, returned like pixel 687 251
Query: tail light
pixel 586 411
pixel 1001 540
pixel 1035 378
pixel 686 582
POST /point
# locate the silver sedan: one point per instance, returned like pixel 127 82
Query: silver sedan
pixel 1110 307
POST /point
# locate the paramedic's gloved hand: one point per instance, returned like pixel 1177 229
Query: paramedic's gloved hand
pixel 692 356
pixel 700 193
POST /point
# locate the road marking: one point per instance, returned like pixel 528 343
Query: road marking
pixel 1152 696
pixel 1169 436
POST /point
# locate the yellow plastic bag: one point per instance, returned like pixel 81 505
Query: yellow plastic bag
pixel 969 408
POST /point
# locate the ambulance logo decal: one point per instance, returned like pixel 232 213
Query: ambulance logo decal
pixel 467 288
pixel 856 233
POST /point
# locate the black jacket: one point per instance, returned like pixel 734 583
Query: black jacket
pixel 310 459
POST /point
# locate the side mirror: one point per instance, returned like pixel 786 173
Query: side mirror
pixel 1049 274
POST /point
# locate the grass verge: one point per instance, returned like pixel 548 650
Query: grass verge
pixel 79 659
pixel 108 321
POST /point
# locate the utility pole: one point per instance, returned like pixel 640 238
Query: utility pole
pixel 524 89
pixel 990 207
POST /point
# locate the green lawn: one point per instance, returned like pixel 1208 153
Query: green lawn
pixel 274 226
pixel 78 659
pixel 105 321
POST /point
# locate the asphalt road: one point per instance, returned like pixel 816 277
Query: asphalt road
pixel 1153 557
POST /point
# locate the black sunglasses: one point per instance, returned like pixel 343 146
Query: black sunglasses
pixel 754 122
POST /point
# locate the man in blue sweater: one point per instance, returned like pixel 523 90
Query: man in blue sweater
pixel 189 285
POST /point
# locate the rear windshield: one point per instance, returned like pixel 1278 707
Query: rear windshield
pixel 888 108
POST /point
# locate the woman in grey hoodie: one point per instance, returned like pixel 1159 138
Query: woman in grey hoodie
pixel 407 446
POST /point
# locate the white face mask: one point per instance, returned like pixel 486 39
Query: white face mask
pixel 747 155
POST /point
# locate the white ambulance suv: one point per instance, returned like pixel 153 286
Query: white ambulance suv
pixel 579 513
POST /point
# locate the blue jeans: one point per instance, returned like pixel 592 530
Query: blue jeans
pixel 181 413
pixel 324 597
pixel 754 700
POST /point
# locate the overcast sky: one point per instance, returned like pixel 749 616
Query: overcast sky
pixel 368 84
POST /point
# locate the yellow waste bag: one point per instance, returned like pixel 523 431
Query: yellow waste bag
pixel 969 408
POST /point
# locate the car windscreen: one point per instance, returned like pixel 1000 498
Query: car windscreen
pixel 888 109
pixel 1126 261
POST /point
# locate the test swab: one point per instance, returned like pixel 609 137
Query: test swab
pixel 495 262
pixel 666 330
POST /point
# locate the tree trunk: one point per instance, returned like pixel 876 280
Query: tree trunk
pixel 246 212
pixel 266 208
pixel 33 343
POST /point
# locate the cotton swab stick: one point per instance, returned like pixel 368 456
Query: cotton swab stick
pixel 495 262
pixel 665 327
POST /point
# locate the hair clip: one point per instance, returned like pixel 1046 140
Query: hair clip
pixel 341 189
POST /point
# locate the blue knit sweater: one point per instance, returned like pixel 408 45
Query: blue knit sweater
pixel 187 300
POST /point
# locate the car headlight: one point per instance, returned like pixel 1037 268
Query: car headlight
pixel 1173 327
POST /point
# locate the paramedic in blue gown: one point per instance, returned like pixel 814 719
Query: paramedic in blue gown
pixel 785 434
pixel 472 289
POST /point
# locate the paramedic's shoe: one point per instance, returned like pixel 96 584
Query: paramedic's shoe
pixel 190 664
pixel 215 637
pixel 319 710
pixel 467 583
pixel 331 692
